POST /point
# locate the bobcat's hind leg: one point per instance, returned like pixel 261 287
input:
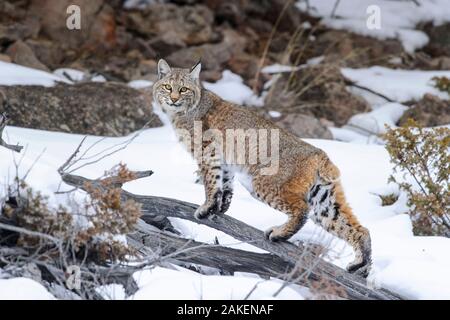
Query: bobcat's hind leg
pixel 285 198
pixel 288 229
pixel 331 211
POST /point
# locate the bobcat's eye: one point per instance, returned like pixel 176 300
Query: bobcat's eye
pixel 168 87
pixel 183 89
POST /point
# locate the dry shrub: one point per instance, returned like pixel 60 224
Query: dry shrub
pixel 442 84
pixel 424 155
pixel 106 217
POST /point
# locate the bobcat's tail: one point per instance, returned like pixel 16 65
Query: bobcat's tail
pixel 329 209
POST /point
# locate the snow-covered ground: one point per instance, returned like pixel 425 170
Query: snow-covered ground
pixel 397 19
pixel 416 267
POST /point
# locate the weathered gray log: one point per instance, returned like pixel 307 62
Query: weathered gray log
pixel 223 258
pixel 355 287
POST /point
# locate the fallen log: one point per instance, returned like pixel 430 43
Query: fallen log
pixel 312 266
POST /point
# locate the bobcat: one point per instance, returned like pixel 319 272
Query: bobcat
pixel 306 184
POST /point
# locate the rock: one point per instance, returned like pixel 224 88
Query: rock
pixel 109 109
pixel 46 51
pixel 351 50
pixel 439 44
pixel 103 30
pixel 238 12
pixel 244 64
pixel 22 54
pixel 424 62
pixel 304 126
pixel 430 111
pixel 5 58
pixel 213 56
pixel 97 23
pixel 172 27
pixel 319 91
pixel 19 31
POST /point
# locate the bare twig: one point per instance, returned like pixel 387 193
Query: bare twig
pixel 3 121
pixel 354 84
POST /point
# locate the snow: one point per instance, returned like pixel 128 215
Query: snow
pixel 13 74
pixel 231 87
pixel 398 85
pixel 77 75
pixel 365 170
pixel 140 84
pixel 370 124
pixel 398 19
pixel 156 284
pixel 23 289
pixel 278 68
pixel 416 267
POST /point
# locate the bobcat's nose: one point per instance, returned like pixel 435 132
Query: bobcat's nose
pixel 174 97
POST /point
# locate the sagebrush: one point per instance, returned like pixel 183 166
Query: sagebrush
pixel 422 154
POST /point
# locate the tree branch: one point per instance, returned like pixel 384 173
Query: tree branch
pixel 354 286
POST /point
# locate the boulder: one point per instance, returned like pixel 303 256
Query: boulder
pixel 304 126
pixel 439 44
pixel 107 109
pixel 22 54
pixel 171 27
pixel 97 23
pixel 46 51
pixel 352 50
pixel 213 56
pixel 319 91
pixel 430 111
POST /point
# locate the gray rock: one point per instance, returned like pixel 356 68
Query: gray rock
pixel 319 91
pixel 109 109
pixel 22 54
pixel 430 111
pixel 304 126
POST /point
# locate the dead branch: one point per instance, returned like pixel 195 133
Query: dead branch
pixel 227 259
pixel 354 84
pixel 3 121
pixel 354 286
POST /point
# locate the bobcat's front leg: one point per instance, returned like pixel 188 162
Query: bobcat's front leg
pixel 212 174
pixel 227 189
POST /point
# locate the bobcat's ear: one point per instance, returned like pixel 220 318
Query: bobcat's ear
pixel 163 68
pixel 195 71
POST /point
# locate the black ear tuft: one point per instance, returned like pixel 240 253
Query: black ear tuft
pixel 195 70
pixel 195 65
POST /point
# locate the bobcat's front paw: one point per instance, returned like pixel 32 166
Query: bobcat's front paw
pixel 208 209
pixel 276 234
pixel 226 201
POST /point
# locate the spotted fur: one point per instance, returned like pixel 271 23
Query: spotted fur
pixel 306 184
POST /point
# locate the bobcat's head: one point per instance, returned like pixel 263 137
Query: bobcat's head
pixel 177 90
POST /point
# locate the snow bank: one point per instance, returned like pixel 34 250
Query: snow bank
pixel 23 289
pixel 231 87
pixel 399 85
pixel 398 19
pixel 365 170
pixel 182 284
pixel 14 74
